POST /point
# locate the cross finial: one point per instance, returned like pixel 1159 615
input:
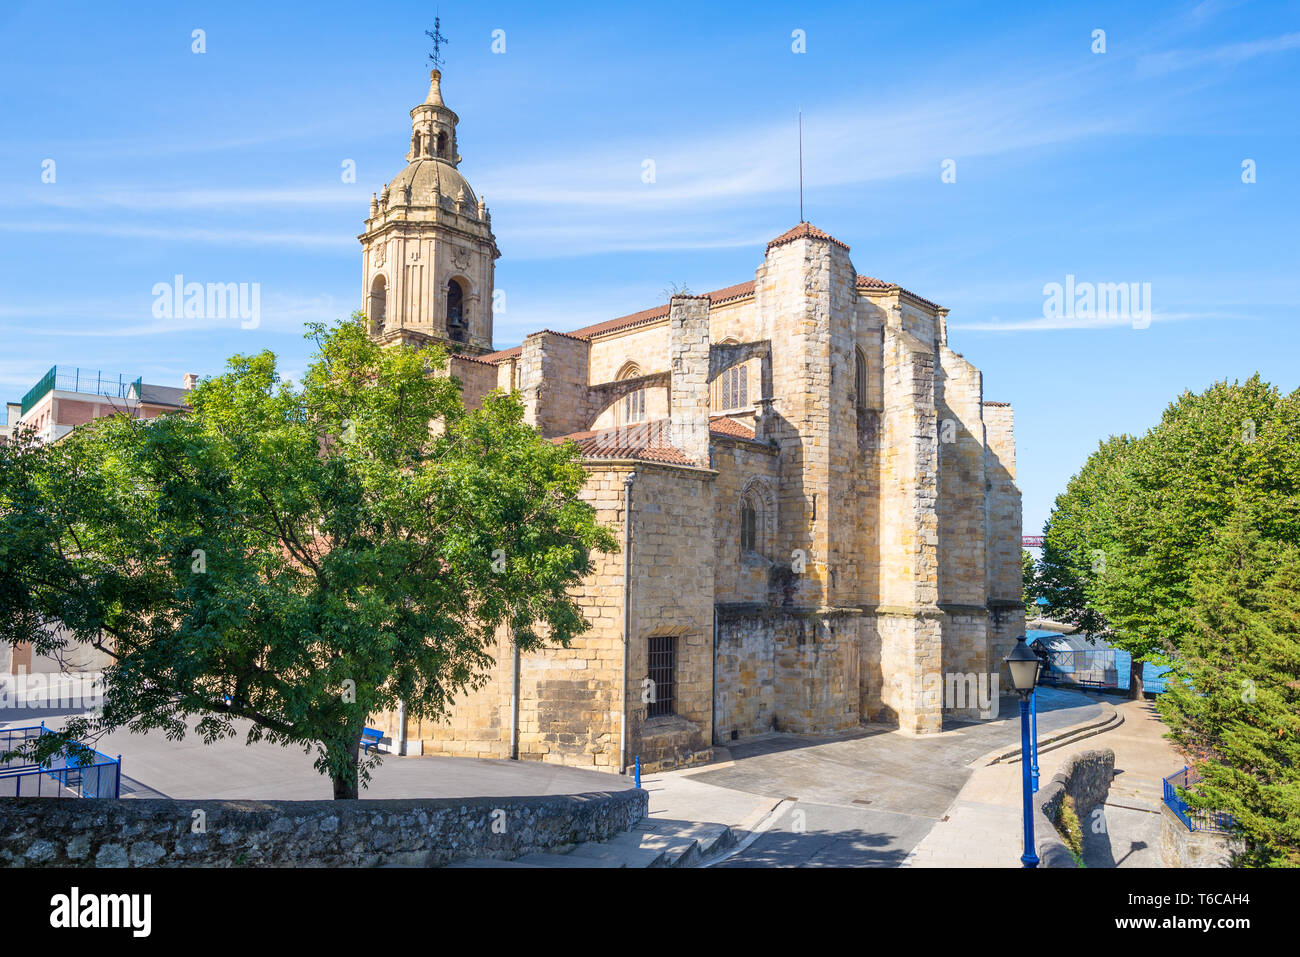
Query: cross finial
pixel 438 40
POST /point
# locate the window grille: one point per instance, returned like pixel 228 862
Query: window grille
pixel 663 668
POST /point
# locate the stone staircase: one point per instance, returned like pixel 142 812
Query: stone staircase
pixel 1137 791
pixel 1109 720
pixel 651 843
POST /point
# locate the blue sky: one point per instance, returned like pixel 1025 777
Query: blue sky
pixel 1122 166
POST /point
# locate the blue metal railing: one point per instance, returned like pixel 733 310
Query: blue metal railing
pixel 89 776
pixel 1194 818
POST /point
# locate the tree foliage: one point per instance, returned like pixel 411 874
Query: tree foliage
pixel 1179 546
pixel 298 556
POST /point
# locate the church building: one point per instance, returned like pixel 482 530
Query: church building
pixel 817 506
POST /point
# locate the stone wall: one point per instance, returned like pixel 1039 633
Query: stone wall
pixel 553 380
pixel 745 466
pixel 647 346
pixel 783 671
pixel 672 596
pixel 1086 778
pixel 568 697
pixel 689 351
pixel 477 379
pixel 59 832
pixel 1180 847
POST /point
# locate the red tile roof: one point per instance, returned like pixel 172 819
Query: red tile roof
pixel 724 425
pixel 871 282
pixel 804 231
pixel 502 354
pixel 645 440
pixel 727 294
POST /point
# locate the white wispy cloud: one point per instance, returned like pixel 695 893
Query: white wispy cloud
pixel 575 202
pixel 60 197
pixel 1229 54
pixel 278 313
pixel 172 233
pixel 1042 324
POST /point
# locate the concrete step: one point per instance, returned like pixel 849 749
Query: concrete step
pixel 490 862
pixel 651 843
pixel 568 860
pixel 684 844
pixel 1110 720
pixel 627 848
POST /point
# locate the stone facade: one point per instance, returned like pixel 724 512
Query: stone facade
pixel 824 524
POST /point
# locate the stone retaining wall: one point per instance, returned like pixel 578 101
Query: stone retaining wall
pixel 1086 778
pixel 69 832
pixel 1180 847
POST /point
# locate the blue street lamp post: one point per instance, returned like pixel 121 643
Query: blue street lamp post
pixel 1033 722
pixel 1023 665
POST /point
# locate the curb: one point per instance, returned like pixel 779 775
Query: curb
pixel 1110 718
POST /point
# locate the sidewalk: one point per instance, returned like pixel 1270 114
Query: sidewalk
pixel 983 828
pixel 689 824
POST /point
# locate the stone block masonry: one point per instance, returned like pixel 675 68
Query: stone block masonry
pixel 57 832
pixel 1085 778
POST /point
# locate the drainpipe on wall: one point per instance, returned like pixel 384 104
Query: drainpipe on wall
pixel 514 704
pixel 627 612
pixel 714 663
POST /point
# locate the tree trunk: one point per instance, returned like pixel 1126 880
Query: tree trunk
pixel 1136 691
pixel 345 784
pixel 344 790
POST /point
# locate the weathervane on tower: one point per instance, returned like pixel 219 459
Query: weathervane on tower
pixel 438 40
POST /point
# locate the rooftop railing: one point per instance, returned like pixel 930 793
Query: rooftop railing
pixel 87 381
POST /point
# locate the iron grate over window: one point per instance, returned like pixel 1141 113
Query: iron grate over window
pixel 663 667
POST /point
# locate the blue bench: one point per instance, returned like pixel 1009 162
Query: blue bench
pixel 370 738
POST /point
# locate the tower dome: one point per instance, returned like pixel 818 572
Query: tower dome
pixel 428 252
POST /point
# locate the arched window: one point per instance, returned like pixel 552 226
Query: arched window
pixel 749 525
pixel 757 515
pixel 457 329
pixel 377 308
pixel 859 379
pixel 442 145
pixel 634 407
pixel 733 389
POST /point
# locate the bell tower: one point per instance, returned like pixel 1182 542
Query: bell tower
pixel 427 252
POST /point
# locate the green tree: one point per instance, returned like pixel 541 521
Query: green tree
pixel 1118 545
pixel 1029 574
pixel 299 557
pixel 1078 538
pixel 1236 705
pixel 1181 546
